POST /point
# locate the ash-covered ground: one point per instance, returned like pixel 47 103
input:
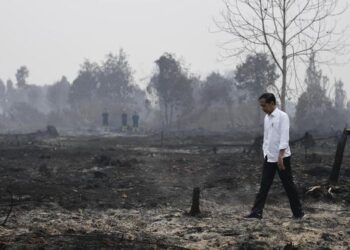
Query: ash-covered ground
pixel 129 192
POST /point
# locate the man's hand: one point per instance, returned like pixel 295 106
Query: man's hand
pixel 280 160
pixel 280 163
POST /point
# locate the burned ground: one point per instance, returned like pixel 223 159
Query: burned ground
pixel 122 192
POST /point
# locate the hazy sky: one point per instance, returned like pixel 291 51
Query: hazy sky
pixel 53 37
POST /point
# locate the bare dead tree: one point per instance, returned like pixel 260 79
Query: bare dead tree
pixel 289 30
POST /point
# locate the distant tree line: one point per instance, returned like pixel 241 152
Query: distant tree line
pixel 174 98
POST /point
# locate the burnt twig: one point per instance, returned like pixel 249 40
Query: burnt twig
pixel 11 208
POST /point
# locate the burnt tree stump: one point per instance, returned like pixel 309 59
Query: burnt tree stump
pixel 195 202
pixel 333 179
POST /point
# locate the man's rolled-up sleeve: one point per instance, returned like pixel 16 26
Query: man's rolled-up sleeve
pixel 284 141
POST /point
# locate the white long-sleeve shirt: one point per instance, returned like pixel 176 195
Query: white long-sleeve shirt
pixel 276 135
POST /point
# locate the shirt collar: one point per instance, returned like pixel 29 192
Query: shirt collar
pixel 273 114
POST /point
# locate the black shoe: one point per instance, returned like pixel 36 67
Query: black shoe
pixel 253 216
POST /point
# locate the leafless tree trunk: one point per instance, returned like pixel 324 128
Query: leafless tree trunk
pixel 229 111
pixel 166 111
pixel 171 115
pixel 333 179
pixel 287 29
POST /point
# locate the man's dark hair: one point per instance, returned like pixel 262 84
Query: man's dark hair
pixel 269 97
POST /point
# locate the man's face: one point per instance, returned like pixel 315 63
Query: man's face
pixel 268 108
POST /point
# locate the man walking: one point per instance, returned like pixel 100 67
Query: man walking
pixel 277 156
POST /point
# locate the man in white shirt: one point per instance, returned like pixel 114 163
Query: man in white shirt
pixel 277 156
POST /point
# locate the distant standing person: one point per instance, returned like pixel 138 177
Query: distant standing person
pixel 105 119
pixel 277 156
pixel 124 122
pixel 135 122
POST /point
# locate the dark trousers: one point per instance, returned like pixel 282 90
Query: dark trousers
pixel 269 171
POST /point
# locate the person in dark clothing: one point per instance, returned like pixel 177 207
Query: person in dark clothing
pixel 135 122
pixel 105 119
pixel 277 158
